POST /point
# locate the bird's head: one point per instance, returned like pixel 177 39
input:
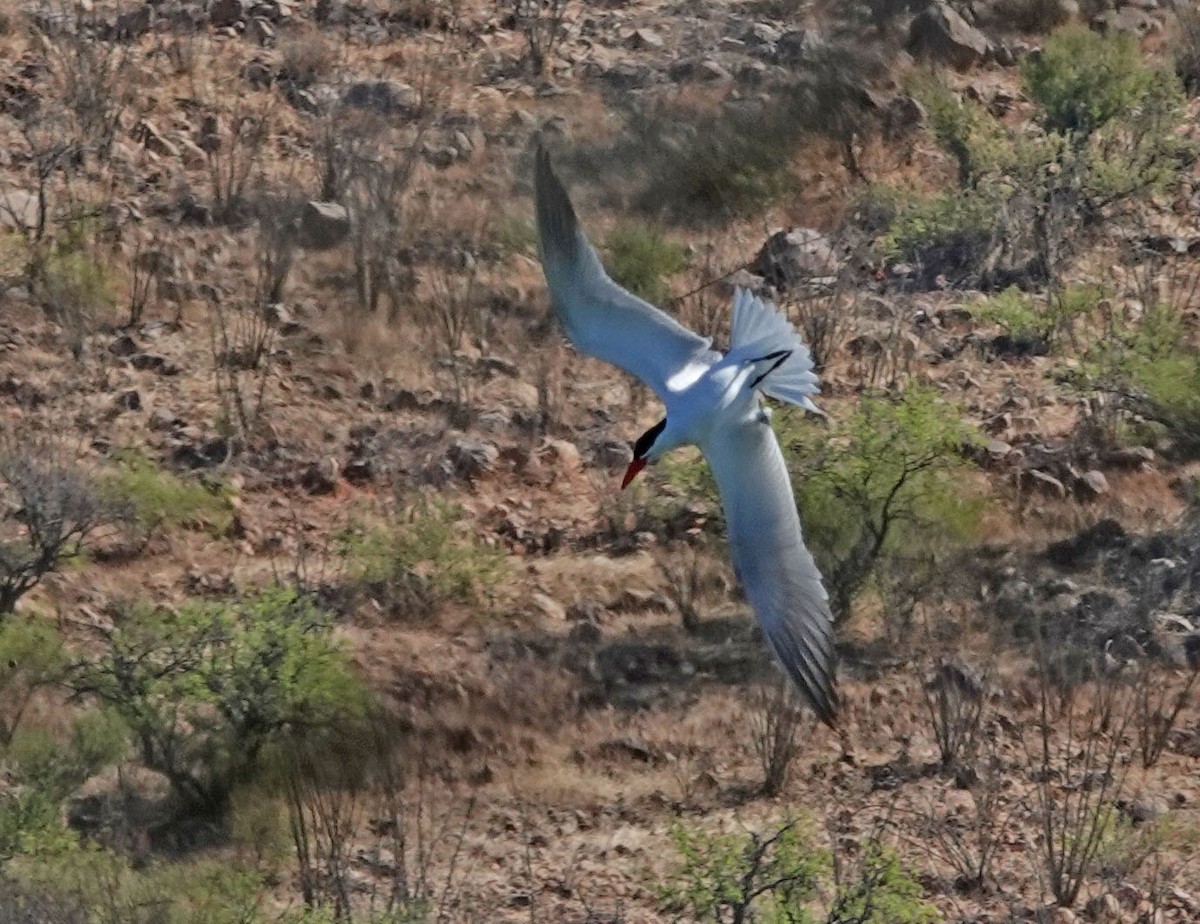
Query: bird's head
pixel 646 449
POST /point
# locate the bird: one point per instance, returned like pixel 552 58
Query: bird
pixel 714 401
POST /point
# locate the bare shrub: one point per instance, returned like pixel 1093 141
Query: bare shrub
pixel 457 313
pixel 92 78
pixel 955 698
pixel 775 719
pixel 541 22
pixel 1158 702
pixel 50 511
pixel 235 142
pixel 1187 48
pixel 352 804
pixel 684 576
pixel 968 843
pixel 1080 768
pixel 242 346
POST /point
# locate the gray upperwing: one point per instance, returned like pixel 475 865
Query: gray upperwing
pixel 601 318
pixel 777 572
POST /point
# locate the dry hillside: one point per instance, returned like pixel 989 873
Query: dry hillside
pixel 319 599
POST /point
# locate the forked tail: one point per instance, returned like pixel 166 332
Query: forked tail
pixel 783 366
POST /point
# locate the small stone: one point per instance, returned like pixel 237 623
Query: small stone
pixel 129 400
pixel 1046 484
pixel 320 477
pixel 548 606
pixel 1092 484
pixel 645 40
pixel 123 346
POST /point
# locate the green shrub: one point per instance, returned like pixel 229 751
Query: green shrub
pixel 1155 369
pixel 779 877
pixel 1109 137
pixel 641 259
pixel 422 560
pixel 31 657
pixel 950 234
pixel 882 497
pixel 45 770
pixel 159 498
pixel 967 131
pixel 1084 80
pixel 1026 319
pixel 76 290
pixel 205 689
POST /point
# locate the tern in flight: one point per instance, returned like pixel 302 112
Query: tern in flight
pixel 714 402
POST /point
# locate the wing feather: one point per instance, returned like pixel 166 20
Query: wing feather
pixel 601 318
pixel 776 570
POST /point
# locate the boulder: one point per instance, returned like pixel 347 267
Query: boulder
pixel 792 256
pixel 939 33
pixel 323 225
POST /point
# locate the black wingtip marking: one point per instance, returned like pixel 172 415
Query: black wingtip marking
pixel 780 357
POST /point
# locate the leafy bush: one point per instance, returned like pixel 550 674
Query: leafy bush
pixel 31 657
pixel 780 877
pixel 45 771
pixel 1153 367
pixel 421 561
pixel 1084 80
pixel 640 259
pixel 207 688
pixel 1109 137
pixel 76 290
pixel 875 495
pixel 1026 320
pixel 159 498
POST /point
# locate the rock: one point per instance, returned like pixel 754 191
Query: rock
pixel 323 225
pixel 225 13
pixel 153 140
pixel 1147 808
pixel 562 455
pixel 997 449
pixel 129 400
pixel 789 257
pixel 153 362
pixel 1127 19
pixel 320 477
pixel 585 632
pixel 123 346
pixel 645 40
pixel 1132 457
pixel 470 458
pixel 1044 483
pixel 761 34
pixel 798 45
pixel 941 34
pixel 18 210
pixel 389 97
pixel 439 155
pixel 548 606
pixel 1092 484
pixel 260 31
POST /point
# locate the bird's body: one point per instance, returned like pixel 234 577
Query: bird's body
pixel 713 401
